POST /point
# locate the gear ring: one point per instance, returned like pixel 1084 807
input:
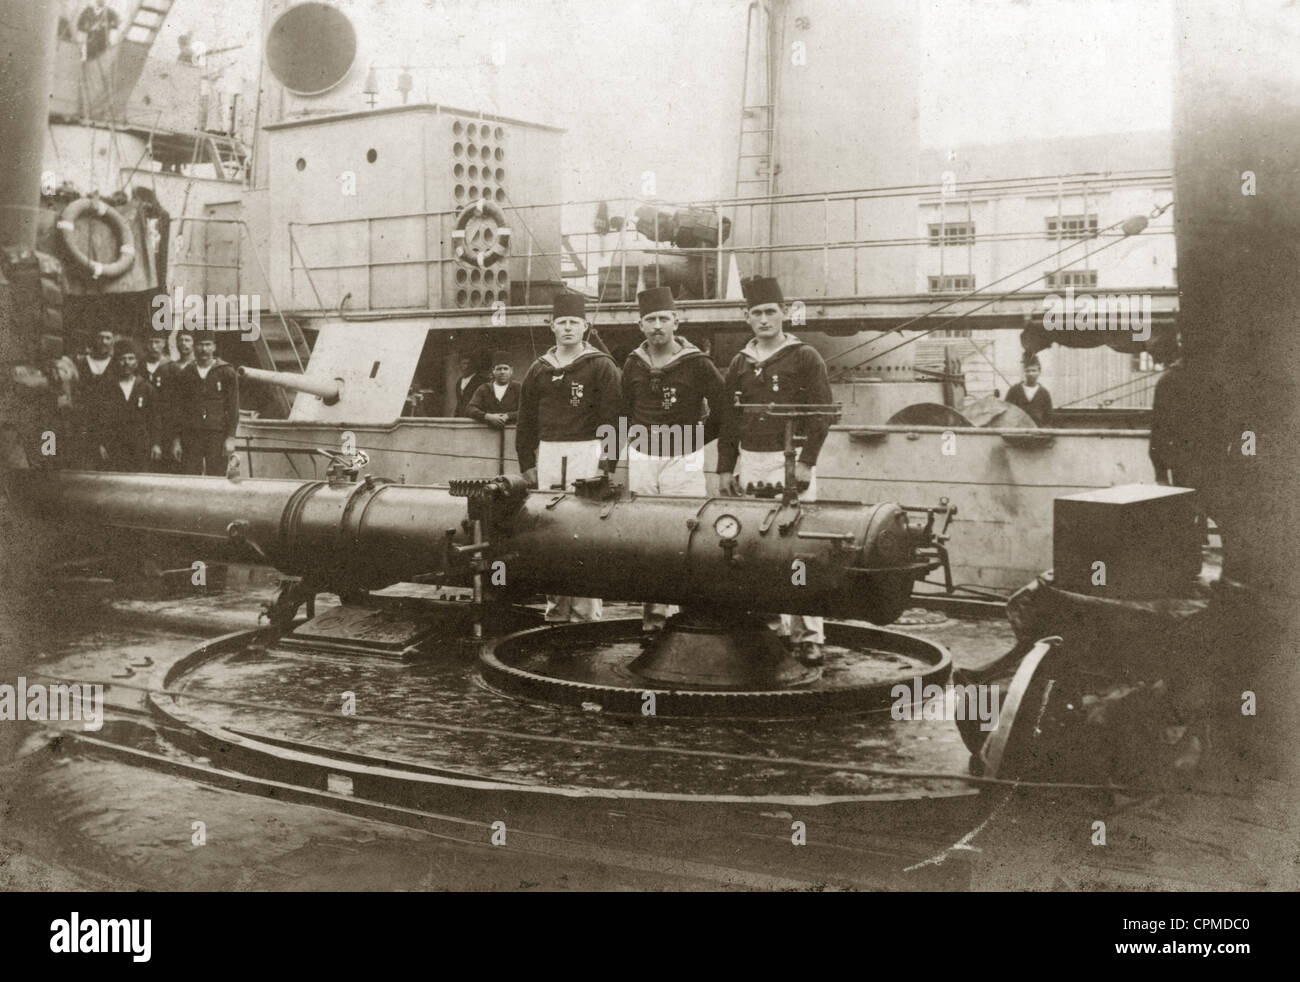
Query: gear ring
pixel 496 665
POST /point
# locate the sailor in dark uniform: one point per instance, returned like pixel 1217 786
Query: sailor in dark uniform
pixel 98 22
pixel 1030 396
pixel 209 412
pixel 669 387
pixel 126 426
pixel 568 395
pixel 774 367
pixel 467 385
pixel 94 374
pixel 497 402
pixel 163 375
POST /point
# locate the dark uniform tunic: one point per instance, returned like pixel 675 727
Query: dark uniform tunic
pixel 673 394
pixel 164 377
pixel 570 403
pixel 467 393
pixel 127 425
pixel 795 374
pixel 97 25
pixel 87 399
pixel 1039 407
pixel 485 401
pixel 209 414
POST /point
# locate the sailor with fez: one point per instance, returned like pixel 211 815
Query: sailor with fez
pixel 774 367
pixel 666 381
pixel 568 394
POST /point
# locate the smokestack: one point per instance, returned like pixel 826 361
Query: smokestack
pixel 27 34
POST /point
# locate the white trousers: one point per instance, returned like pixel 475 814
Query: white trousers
pixel 682 475
pixel 768 467
pixel 583 460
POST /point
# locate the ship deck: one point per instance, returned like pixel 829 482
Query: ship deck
pixel 115 809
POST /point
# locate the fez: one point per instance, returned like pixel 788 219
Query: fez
pixel 569 304
pixel 655 299
pixel 760 290
pixel 500 358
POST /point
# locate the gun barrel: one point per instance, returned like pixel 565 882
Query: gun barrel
pixel 330 390
pixel 836 558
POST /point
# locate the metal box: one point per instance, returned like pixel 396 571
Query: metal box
pixel 374 206
pixel 1147 536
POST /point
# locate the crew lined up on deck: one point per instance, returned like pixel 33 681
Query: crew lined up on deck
pixel 137 413
pixel 574 394
pixel 144 412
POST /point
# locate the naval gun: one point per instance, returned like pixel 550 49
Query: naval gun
pixel 723 560
pixel 328 391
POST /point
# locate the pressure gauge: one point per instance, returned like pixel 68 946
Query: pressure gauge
pixel 727 526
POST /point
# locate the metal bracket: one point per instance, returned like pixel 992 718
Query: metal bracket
pixel 787 526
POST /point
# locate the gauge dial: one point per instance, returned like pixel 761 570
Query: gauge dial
pixel 727 526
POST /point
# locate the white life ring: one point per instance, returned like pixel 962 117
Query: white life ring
pixel 493 237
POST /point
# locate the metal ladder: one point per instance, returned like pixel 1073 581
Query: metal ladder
pixel 757 142
pixel 146 21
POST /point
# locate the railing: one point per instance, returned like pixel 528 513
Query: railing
pixel 291 338
pixel 817 228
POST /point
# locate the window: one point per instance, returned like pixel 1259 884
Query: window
pixel 952 284
pixel 1071 227
pixel 1071 277
pixel 1143 362
pixel 955 332
pixel 952 233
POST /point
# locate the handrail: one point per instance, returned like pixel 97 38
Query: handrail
pixel 275 303
pixel 1142 178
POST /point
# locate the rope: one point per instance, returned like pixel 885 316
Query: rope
pixel 419 724
pixel 1117 385
pixel 948 320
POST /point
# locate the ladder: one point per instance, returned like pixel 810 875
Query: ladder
pixel 762 114
pixel 756 141
pixel 146 21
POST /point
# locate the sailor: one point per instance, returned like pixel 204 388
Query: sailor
pixel 94 364
pixel 497 402
pixel 98 23
pixel 1030 396
pixel 94 372
pixel 208 400
pixel 666 381
pixel 126 427
pixel 774 367
pixel 163 375
pixel 568 394
pixel 470 379
pixel 184 349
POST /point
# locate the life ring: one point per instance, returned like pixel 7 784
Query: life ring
pixel 67 224
pixel 490 243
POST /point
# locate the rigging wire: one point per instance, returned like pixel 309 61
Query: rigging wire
pixel 839 373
